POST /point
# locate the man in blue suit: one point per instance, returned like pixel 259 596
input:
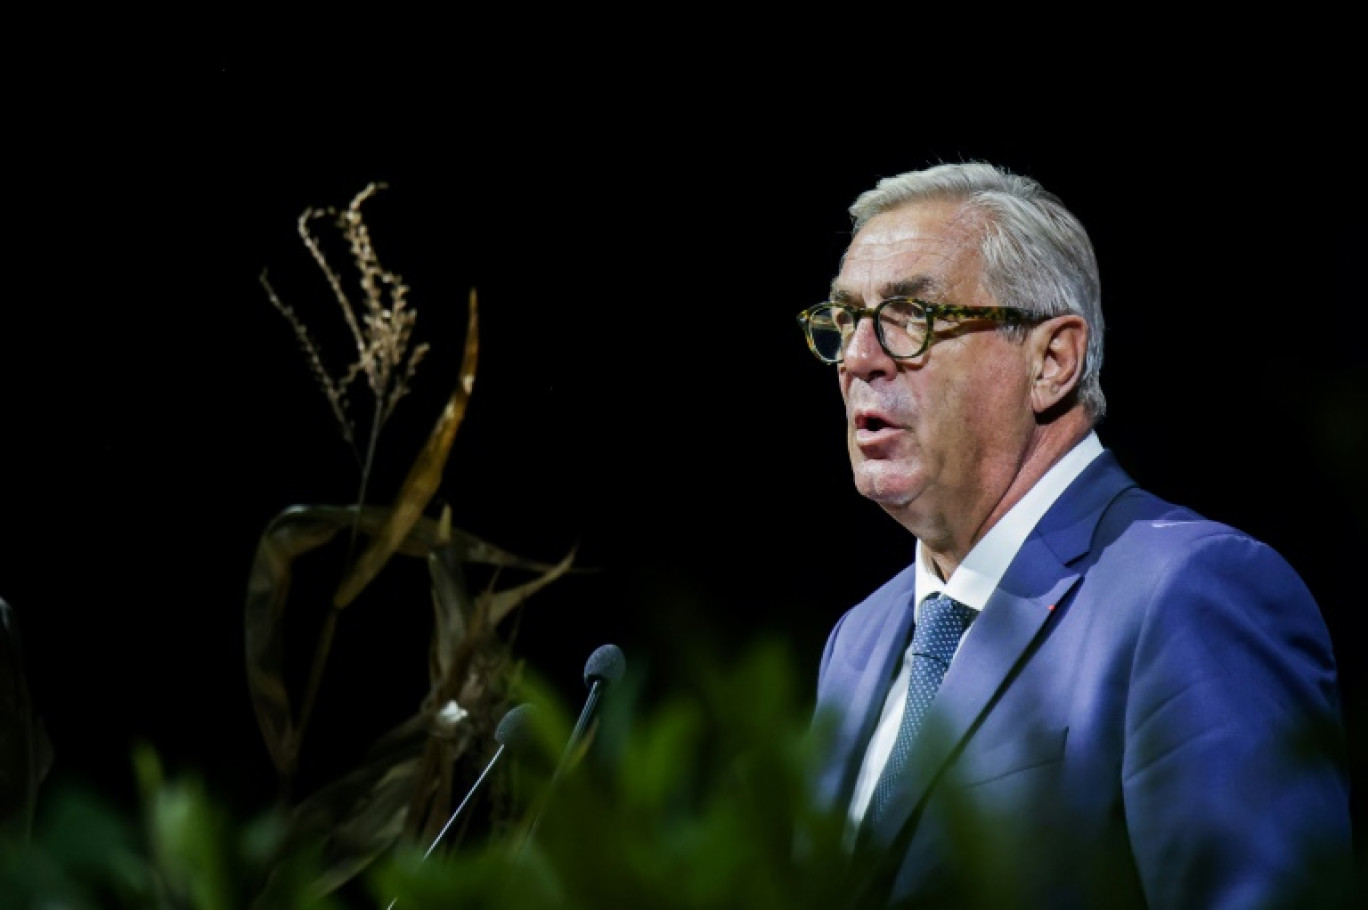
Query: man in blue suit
pixel 1142 709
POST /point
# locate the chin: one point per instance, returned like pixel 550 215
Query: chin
pixel 882 483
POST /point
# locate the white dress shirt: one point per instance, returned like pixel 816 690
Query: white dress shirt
pixel 972 583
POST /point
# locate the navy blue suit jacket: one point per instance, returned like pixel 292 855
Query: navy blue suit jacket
pixel 1146 713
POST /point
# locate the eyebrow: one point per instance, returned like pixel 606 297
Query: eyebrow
pixel 920 286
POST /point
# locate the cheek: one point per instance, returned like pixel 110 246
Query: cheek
pixel 1002 401
pixel 985 403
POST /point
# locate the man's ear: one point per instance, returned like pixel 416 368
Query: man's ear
pixel 1060 344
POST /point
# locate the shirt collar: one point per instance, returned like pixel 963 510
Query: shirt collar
pixel 983 567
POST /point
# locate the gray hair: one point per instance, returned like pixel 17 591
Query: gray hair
pixel 1036 253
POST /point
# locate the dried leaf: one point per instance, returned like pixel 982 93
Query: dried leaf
pixel 291 533
pixel 298 530
pixel 451 602
pixel 501 603
pixel 358 817
pixel 423 479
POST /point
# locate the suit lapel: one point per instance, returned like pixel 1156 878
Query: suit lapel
pixel 888 644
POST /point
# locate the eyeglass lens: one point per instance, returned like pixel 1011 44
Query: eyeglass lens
pixel 902 328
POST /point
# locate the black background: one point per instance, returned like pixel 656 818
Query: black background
pixel 640 238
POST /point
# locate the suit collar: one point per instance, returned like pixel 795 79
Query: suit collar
pixel 1067 528
pixel 983 567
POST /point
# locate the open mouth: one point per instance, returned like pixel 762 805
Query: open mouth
pixel 870 422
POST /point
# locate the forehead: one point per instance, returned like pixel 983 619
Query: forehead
pixel 920 248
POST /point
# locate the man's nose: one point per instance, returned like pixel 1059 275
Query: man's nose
pixel 863 353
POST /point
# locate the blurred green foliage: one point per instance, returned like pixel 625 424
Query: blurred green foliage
pixel 182 848
pixel 697 800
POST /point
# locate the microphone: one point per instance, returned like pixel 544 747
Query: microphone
pixel 606 665
pixel 514 732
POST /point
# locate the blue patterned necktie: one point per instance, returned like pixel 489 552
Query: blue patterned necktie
pixel 934 640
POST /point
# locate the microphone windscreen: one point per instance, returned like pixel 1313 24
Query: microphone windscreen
pixel 606 663
pixel 515 730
